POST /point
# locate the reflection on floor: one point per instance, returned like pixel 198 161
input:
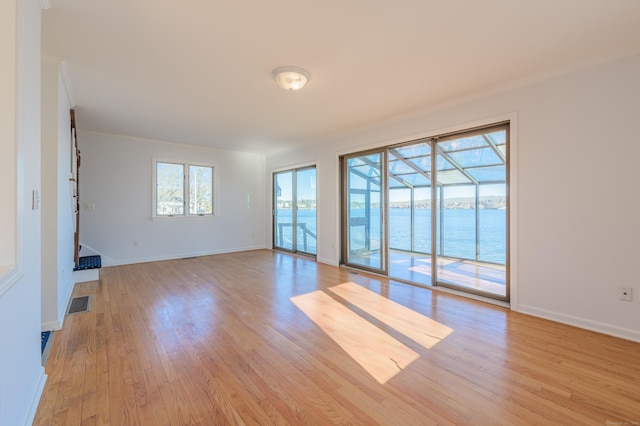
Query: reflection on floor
pixel 375 349
pixel 379 353
pixel 416 267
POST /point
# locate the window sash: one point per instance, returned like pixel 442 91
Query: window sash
pixel 183 189
pixel 200 190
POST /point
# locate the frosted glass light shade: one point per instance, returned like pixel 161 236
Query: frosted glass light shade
pixel 290 77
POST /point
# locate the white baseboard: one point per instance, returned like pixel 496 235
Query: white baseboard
pixel 331 262
pixel 35 399
pixel 600 327
pixel 84 275
pixel 50 326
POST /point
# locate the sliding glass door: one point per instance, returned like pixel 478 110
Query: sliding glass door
pixel 472 211
pixel 363 211
pixel 409 172
pixel 306 235
pixel 294 210
pixel 445 200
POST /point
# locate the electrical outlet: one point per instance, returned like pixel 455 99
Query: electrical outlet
pixel 625 293
pixel 136 243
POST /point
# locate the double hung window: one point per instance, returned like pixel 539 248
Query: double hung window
pixel 183 189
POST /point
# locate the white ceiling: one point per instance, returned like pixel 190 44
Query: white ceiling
pixel 199 71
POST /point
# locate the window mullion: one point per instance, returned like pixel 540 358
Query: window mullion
pixel 185 190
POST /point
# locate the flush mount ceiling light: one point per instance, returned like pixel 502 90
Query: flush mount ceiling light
pixel 291 78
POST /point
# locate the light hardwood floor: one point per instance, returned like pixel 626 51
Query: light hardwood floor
pixel 268 338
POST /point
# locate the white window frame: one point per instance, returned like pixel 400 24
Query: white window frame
pixel 186 188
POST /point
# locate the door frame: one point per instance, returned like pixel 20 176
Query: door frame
pixel 510 125
pixel 344 215
pixel 294 170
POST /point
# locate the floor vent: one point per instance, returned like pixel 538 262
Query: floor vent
pixel 79 304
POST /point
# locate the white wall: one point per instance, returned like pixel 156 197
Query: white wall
pixel 21 375
pixel 577 224
pixel 57 214
pixel 116 176
pixel 66 202
pixel 8 135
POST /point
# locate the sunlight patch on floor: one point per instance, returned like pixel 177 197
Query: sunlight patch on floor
pixel 381 355
pixel 417 327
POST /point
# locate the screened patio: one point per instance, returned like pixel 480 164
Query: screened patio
pixel 468 217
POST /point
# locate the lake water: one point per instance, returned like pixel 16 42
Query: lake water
pixel 459 227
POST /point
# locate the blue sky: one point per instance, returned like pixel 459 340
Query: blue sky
pixel 306 184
